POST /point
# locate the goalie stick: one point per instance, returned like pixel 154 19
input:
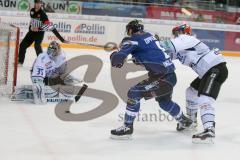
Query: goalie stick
pixel 80 93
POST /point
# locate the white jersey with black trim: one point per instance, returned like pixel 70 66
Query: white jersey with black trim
pixel 46 66
pixel 192 52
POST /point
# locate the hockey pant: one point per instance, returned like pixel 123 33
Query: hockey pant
pixel 160 88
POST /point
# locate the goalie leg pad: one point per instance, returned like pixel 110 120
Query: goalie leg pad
pixel 23 93
pixel 38 94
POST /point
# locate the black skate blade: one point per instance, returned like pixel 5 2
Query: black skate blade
pixel 209 140
pixel 123 137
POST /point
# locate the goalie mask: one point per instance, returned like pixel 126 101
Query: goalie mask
pixel 53 49
pixel 182 29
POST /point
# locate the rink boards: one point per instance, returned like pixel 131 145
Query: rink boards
pixel 103 29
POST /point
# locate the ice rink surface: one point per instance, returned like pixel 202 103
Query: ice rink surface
pixel 33 132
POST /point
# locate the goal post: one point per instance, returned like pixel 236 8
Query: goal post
pixel 9 45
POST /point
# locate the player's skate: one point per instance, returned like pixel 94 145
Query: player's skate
pixel 186 124
pixel 206 137
pixel 123 133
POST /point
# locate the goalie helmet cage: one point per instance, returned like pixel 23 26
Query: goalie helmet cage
pixel 9 44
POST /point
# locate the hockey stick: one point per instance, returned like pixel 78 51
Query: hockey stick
pixel 71 80
pixel 80 93
pixel 110 46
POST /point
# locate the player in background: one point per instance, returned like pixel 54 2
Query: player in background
pixel 38 24
pixel 203 91
pixel 146 51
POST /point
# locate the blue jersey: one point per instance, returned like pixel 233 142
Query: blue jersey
pixel 146 50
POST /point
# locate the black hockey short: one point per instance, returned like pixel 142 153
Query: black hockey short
pixel 211 82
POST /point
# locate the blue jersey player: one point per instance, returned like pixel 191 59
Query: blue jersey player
pixel 146 51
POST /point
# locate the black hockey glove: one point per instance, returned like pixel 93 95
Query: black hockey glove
pixel 124 40
pixel 53 81
pixel 114 63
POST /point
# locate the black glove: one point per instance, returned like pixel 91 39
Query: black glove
pixel 53 81
pixel 111 55
pixel 116 65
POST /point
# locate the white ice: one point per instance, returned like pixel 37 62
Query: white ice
pixel 33 132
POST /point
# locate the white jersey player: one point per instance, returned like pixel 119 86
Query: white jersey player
pixel 51 82
pixel 211 68
pixel 50 65
pixel 47 70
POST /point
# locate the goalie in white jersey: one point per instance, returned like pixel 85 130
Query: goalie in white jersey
pixel 47 71
pixel 49 66
pixel 203 91
pixel 50 69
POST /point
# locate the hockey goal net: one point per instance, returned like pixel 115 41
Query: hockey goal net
pixel 9 43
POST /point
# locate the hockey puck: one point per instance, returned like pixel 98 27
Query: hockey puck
pixel 67 111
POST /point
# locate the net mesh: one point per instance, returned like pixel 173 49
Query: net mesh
pixel 9 39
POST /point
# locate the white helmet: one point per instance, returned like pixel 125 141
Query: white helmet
pixel 53 49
